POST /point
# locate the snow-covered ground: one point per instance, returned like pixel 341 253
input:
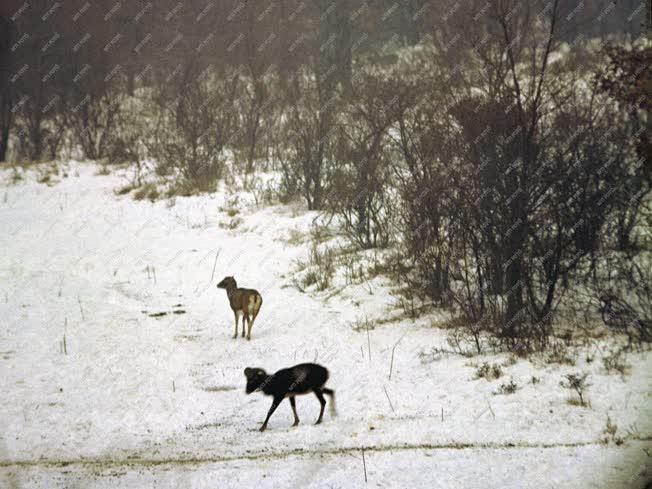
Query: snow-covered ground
pixel 133 400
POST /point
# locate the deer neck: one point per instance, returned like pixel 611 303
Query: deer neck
pixel 230 290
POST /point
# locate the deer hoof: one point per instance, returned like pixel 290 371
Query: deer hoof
pixel 235 336
pixel 248 338
pixel 263 428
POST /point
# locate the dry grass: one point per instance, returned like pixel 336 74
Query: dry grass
pixel 231 224
pixel 295 237
pixel 125 189
pixel 559 353
pixel 147 191
pixel 489 371
pixel 616 362
pixel 362 323
pixel 507 388
pixel 104 170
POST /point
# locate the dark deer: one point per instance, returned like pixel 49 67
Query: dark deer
pixel 290 382
pixel 243 301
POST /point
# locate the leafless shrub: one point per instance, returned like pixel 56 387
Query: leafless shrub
pixel 320 268
pixel 503 212
pixel 507 388
pixel 616 361
pixel 363 323
pixel 95 122
pixel 558 352
pixel 610 431
pixel 232 223
pixel 576 382
pixel 147 191
pixel 621 317
pixel 353 269
pixel 194 122
pixel 361 193
pixel 310 134
pixel 489 371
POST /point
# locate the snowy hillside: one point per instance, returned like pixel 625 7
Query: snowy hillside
pixel 118 368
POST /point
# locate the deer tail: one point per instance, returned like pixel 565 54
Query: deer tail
pixel 331 405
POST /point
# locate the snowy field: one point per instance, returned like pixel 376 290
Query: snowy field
pixel 105 383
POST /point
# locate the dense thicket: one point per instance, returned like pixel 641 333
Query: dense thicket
pixel 497 142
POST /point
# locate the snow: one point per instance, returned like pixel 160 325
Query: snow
pixel 138 401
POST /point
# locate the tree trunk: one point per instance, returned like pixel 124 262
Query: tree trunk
pixel 514 283
pixel 6 118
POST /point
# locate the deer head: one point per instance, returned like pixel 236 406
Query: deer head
pixel 227 283
pixel 255 378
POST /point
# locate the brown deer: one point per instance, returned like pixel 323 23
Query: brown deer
pixel 243 301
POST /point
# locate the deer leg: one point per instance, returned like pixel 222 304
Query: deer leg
pixel 245 319
pixel 235 335
pixel 275 403
pixel 293 403
pixel 251 325
pixel 254 313
pixel 322 401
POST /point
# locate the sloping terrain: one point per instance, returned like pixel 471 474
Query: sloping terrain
pixel 118 368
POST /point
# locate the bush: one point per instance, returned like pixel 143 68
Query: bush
pixel 147 191
pixel 362 323
pixel 507 388
pixel 615 361
pixel 558 352
pixel 489 372
pixel 319 269
pixel 610 431
pixel 577 383
pixel 193 127
pixel 511 196
pixel 310 129
pixel 361 195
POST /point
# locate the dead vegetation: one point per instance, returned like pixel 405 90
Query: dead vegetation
pixel 489 371
pixel 148 191
pixel 576 382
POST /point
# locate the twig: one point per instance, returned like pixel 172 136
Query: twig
pixel 364 466
pixel 173 387
pixel 81 310
pixel 368 339
pixel 442 414
pixel 65 348
pixel 492 411
pixel 479 415
pixel 390 401
pixel 391 364
pixel 214 265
